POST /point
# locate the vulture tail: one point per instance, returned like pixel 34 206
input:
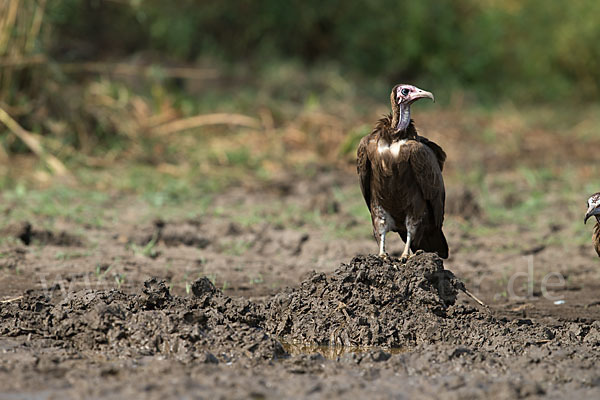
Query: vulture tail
pixel 433 241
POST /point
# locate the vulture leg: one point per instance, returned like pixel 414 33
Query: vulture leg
pixel 381 225
pixel 411 228
pixel 382 244
pixel 406 251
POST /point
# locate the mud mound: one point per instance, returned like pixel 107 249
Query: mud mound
pixel 187 233
pixel 209 327
pixel 373 302
pixel 27 234
pixel 368 302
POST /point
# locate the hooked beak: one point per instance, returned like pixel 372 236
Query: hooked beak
pixel 593 210
pixel 420 94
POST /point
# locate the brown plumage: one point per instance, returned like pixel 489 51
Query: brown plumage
pixel 401 178
pixel 596 238
pixel 594 210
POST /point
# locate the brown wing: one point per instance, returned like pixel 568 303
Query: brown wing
pixel 596 238
pixel 363 167
pixel 440 154
pixel 427 170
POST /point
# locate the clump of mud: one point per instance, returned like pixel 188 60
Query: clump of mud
pixel 208 326
pixel 188 233
pixel 28 234
pixel 383 303
pixel 368 302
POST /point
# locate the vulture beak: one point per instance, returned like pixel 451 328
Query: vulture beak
pixel 593 210
pixel 420 94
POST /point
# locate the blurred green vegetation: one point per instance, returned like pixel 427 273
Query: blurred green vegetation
pixel 520 50
pixel 129 85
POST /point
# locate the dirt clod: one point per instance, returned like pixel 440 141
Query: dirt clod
pixel 27 234
pixel 149 323
pixel 155 295
pixel 203 287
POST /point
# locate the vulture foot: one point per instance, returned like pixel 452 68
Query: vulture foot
pixel 405 257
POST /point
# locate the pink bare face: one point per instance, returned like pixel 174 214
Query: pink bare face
pixel 406 94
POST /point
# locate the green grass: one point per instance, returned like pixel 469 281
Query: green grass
pixel 96 200
pixel 256 279
pixel 70 255
pixel 545 203
pixel 74 204
pixel 235 247
pixel 527 198
pixel 120 280
pixel 149 249
pixel 100 271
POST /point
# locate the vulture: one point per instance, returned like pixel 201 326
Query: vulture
pixel 593 204
pixel 400 176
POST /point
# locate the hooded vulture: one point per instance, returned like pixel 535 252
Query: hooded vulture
pixel 594 210
pixel 401 180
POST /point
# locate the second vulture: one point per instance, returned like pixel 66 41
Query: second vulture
pixel 401 178
pixel 594 210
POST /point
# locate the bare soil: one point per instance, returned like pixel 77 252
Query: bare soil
pixel 234 304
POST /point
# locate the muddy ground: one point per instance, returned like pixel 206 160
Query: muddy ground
pixel 236 303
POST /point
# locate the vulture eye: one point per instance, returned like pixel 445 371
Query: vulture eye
pixel 404 92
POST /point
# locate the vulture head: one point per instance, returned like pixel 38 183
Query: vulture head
pixel 402 97
pixel 593 207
